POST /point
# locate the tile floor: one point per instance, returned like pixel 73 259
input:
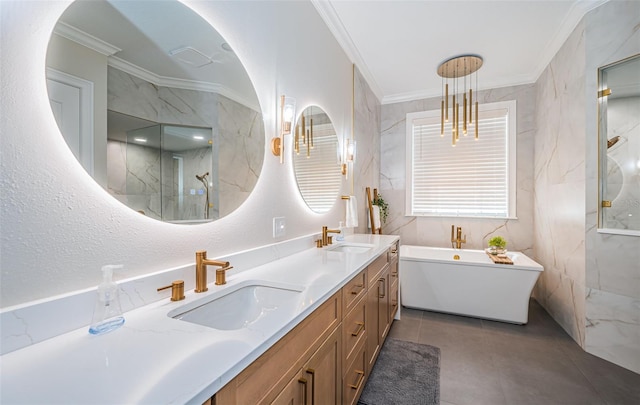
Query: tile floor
pixel 486 362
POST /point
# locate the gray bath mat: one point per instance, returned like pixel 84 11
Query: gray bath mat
pixel 405 373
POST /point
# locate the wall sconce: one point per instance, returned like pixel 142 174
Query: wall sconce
pixel 349 156
pixel 287 114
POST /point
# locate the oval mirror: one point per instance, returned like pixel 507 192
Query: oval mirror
pixel 316 159
pixel 156 107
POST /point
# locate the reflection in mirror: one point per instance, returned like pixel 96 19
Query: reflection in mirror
pixel 619 132
pixel 315 161
pixel 113 62
pixel 166 172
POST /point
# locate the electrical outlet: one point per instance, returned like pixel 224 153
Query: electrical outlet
pixel 279 227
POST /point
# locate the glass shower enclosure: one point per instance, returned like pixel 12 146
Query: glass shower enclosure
pixel 165 171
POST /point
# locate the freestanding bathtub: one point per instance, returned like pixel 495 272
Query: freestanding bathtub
pixel 431 279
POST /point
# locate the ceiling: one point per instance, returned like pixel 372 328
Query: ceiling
pixel 145 38
pixel 398 44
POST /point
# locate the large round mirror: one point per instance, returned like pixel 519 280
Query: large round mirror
pixel 316 159
pixel 156 107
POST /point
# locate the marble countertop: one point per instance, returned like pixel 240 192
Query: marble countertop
pixel 156 359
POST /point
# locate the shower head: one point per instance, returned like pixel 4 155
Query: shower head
pixel 201 178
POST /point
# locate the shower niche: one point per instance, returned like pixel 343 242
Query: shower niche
pixel 164 171
pixel 619 147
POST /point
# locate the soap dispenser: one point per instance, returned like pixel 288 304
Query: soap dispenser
pixel 107 314
pixel 340 236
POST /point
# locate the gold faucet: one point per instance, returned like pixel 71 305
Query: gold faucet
pixel 325 236
pixel 459 240
pixel 201 271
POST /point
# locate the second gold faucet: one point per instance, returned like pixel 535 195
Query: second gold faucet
pixel 201 271
pixel 459 240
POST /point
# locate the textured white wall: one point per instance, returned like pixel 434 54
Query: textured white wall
pixel 58 227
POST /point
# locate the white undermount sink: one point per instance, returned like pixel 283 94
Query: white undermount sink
pixel 351 248
pixel 258 305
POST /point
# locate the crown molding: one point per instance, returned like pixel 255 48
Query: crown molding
pixel 87 40
pixel 578 11
pixel 184 84
pixel 335 25
pixel 74 34
pixel 430 93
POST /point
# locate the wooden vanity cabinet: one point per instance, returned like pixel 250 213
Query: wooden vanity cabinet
pixel 328 357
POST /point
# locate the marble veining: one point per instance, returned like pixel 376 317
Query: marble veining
pixel 34 322
pixel 591 283
pixel 367 136
pixel 237 134
pixel 435 231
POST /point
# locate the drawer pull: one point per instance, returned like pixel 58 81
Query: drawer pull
pixel 360 380
pixel 313 385
pixel 304 384
pixel 360 329
pixel 360 286
pixel 384 288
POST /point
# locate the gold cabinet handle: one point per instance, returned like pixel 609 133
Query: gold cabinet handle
pixel 360 286
pixel 304 384
pixel 360 329
pixel 384 288
pixel 356 387
pixel 313 385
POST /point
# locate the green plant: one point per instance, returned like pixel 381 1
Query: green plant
pixel 384 207
pixel 498 241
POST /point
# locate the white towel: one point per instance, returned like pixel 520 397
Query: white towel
pixel 352 212
pixel 376 217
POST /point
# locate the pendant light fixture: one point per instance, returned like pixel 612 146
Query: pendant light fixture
pixel 451 71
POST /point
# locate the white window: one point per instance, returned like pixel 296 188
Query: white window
pixel 476 178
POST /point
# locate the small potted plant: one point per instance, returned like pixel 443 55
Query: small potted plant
pixel 384 207
pixel 497 245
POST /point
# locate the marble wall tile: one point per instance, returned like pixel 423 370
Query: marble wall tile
pixel 367 135
pixel 241 134
pixel 433 231
pixel 560 186
pixel 612 330
pixel 613 261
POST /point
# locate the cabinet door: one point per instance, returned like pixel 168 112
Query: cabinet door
pixel 324 372
pixel 294 393
pixel 384 323
pixel 372 325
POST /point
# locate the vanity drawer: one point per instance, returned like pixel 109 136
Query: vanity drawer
pixel 354 330
pixel 393 252
pixel 353 291
pixel 355 377
pixel 376 267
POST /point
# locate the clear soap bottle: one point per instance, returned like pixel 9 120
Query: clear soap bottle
pixel 340 236
pixel 107 314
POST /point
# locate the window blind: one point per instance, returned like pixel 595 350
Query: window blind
pixel 319 177
pixel 470 179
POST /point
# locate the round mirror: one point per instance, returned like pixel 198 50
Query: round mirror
pixel 156 107
pixel 316 159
